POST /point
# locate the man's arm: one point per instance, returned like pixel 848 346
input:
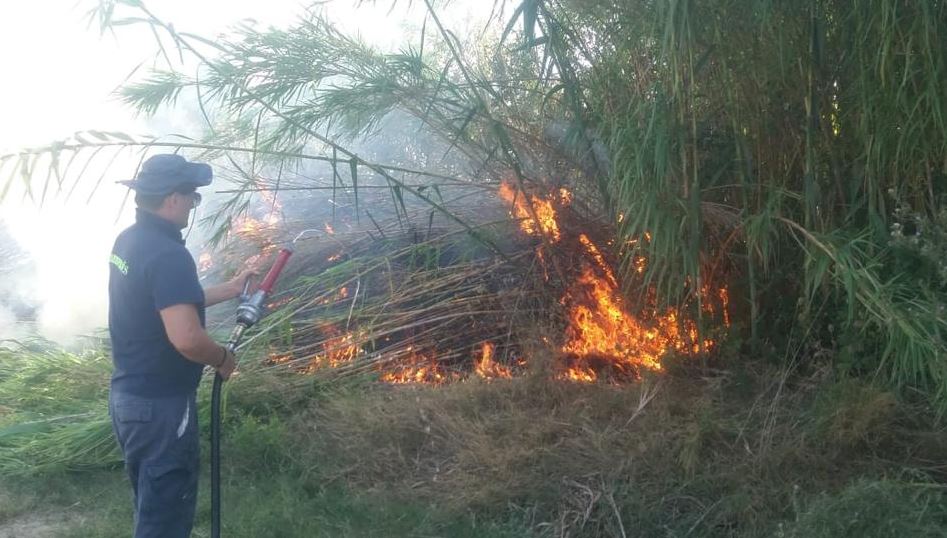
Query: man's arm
pixel 186 334
pixel 220 293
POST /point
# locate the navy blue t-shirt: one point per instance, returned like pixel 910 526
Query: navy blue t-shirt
pixel 150 269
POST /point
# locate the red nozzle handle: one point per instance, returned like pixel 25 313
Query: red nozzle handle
pixel 270 280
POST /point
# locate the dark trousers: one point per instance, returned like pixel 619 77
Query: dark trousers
pixel 160 445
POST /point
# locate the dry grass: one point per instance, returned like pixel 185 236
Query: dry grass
pixel 679 454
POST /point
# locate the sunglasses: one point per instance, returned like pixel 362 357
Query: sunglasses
pixel 195 196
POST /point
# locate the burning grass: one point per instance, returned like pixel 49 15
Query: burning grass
pixel 432 310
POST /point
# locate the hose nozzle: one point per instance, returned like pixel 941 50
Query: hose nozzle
pixel 253 308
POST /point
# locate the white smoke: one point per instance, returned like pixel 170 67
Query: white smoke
pixel 63 90
pixel 68 245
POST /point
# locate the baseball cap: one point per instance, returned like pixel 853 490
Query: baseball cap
pixel 162 174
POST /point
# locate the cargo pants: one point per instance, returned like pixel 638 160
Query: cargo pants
pixel 160 444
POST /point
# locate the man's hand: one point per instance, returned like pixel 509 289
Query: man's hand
pixel 233 287
pixel 253 267
pixel 226 369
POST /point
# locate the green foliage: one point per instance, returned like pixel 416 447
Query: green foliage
pixel 43 381
pixel 57 416
pixel 279 502
pixel 256 444
pixel 769 122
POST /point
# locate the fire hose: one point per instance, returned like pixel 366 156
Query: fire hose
pixel 251 310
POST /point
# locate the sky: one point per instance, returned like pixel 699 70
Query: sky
pixel 59 74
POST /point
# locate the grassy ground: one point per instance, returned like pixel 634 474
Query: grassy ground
pixel 741 450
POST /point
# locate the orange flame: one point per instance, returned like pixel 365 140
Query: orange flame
pixel 487 368
pixel 248 226
pixel 602 331
pixel 331 298
pixel 417 368
pixel 581 374
pixel 273 305
pixel 544 209
pixel 338 348
pixel 600 327
pixel 599 259
pixel 276 358
pixel 641 263
pixel 256 232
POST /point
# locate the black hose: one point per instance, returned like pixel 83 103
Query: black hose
pixel 215 457
pixel 235 337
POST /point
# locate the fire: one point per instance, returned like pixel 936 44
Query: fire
pixel 599 259
pixel 273 305
pixel 329 229
pixel 339 347
pixel 641 263
pixel 581 374
pixel 260 231
pixel 277 358
pixel 603 338
pixel 600 328
pixel 544 209
pixel 343 293
pixel 602 332
pixel 257 232
pixel 487 368
pixel 248 226
pixel 417 368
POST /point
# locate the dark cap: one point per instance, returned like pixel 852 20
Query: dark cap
pixel 162 174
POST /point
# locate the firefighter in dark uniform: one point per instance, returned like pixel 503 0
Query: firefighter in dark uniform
pixel 160 346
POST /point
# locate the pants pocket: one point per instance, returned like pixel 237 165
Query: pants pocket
pixel 167 499
pixel 169 484
pixel 125 412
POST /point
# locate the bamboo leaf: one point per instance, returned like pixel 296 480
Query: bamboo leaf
pixel 517 13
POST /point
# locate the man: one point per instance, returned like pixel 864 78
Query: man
pixel 160 346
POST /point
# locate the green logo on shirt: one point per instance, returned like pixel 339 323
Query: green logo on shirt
pixel 119 264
